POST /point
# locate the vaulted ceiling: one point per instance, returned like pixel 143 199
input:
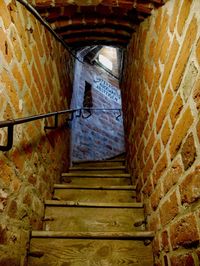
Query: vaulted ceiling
pixel 89 22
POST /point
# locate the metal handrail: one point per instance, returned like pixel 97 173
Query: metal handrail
pixel 11 123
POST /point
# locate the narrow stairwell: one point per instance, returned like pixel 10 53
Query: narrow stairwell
pixel 93 219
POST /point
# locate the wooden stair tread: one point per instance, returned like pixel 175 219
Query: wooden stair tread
pixel 103 181
pixel 88 187
pixel 100 161
pixel 79 252
pixel 94 235
pixel 90 204
pixel 72 218
pixel 94 195
pixel 96 168
pixel 94 175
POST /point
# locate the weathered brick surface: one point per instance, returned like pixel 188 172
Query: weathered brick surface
pixel 172 175
pixel 169 209
pixel 184 12
pixel 176 109
pixel 180 131
pixel 184 232
pixel 184 54
pixel 28 171
pixel 190 187
pixel 170 65
pixel 182 260
pixel 188 151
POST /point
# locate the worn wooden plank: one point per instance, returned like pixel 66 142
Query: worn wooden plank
pixel 95 175
pixel 107 181
pixel 106 163
pixel 65 186
pixel 96 169
pixel 72 203
pixel 82 252
pixel 92 219
pixel 94 235
pixel 94 195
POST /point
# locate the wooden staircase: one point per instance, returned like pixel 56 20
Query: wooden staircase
pixel 93 220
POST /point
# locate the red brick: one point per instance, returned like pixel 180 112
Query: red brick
pixel 149 145
pixel 169 209
pixel 5 47
pixel 165 133
pixel 156 245
pixel 180 131
pixel 157 150
pixel 154 221
pixel 161 37
pixel 169 63
pixel 156 196
pixel 165 49
pixel 18 159
pixel 184 232
pixel 190 187
pixel 196 94
pixel 4 13
pixel 167 98
pixel 148 168
pixel 10 89
pixel 176 109
pixel 26 73
pixel 12 209
pixel 148 187
pixel 14 38
pixel 173 175
pixel 158 21
pixel 160 168
pixel 165 241
pixel 157 100
pixel 188 152
pixel 185 10
pixel 198 51
pixel 3 235
pixel 18 76
pixel 182 260
pixel 174 15
pixel 198 130
pixel 184 54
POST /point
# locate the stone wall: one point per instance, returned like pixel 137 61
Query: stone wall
pixel 161 102
pixel 35 77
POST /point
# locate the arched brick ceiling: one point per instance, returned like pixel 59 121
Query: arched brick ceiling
pixel 88 22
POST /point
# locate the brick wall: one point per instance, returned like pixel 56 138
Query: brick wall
pixel 161 101
pixel 100 136
pixel 35 77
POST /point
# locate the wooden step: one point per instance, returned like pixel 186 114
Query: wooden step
pixel 106 163
pixel 76 216
pixel 92 194
pixel 96 179
pixel 94 235
pixel 91 252
pixel 94 175
pixel 103 181
pixel 66 186
pixel 97 169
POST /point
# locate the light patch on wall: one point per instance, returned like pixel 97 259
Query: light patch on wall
pixel 105 61
pixel 20 104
